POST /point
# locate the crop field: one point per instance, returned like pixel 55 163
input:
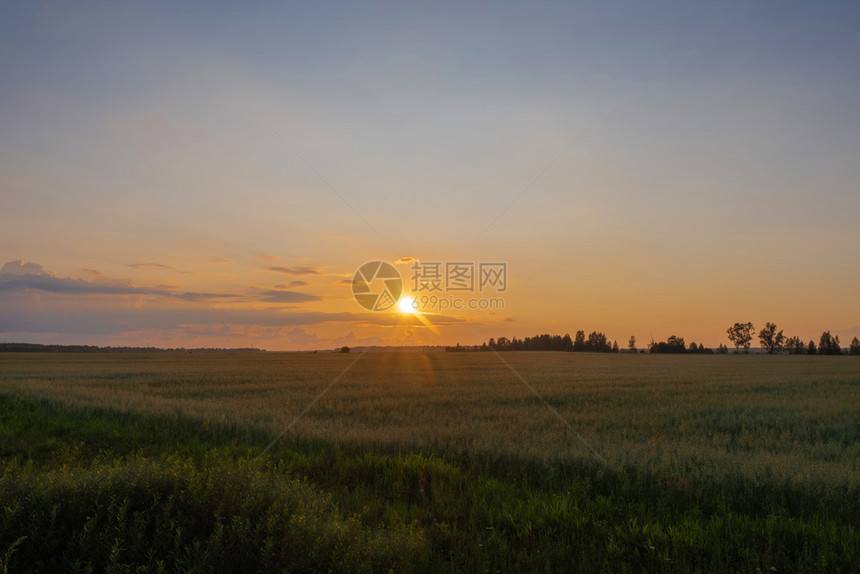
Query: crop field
pixel 429 462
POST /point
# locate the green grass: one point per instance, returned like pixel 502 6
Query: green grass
pixel 129 479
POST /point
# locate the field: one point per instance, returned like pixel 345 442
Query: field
pixel 429 462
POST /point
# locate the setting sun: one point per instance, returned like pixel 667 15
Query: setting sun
pixel 406 305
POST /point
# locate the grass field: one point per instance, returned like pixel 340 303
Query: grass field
pixel 429 462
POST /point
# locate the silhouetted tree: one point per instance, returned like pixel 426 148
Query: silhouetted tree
pixel 854 348
pixel 795 346
pixel 579 341
pixel 631 344
pixel 722 350
pixel 597 343
pixel 344 349
pixel 829 344
pixel 771 340
pixel 566 343
pixel 810 349
pixel 740 334
pixel 673 344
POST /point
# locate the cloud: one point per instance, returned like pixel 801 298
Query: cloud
pixel 98 311
pixel 299 336
pixel 296 283
pixel 116 319
pixel 274 296
pixel 157 265
pixel 300 270
pixel 405 260
pixel 153 265
pixel 45 281
pixel 15 276
pixel 192 296
pixel 18 267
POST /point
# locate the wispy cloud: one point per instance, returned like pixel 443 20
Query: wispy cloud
pixel 192 296
pixel 291 284
pixel 156 265
pixel 277 296
pixel 299 270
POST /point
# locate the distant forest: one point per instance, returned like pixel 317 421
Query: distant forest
pixel 37 348
pixel 741 335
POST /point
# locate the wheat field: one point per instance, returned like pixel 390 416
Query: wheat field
pixel 795 418
pixel 684 439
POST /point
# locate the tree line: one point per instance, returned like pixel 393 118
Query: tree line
pixel 741 335
pixel 595 342
pixel 774 341
pixel 39 348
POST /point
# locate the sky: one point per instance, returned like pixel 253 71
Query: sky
pixel 213 174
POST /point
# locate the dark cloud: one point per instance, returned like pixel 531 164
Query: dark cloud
pixel 52 284
pixel 18 267
pixel 16 276
pixel 300 270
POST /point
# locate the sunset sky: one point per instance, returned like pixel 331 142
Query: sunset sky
pixel 207 174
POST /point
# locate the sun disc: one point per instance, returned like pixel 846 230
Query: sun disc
pixel 405 304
